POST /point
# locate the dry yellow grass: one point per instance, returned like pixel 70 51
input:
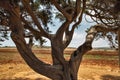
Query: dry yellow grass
pixel 21 71
pixel 12 67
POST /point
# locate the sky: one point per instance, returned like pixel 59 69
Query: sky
pixel 80 34
pixel 78 38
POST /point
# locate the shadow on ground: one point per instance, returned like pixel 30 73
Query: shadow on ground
pixel 24 79
pixel 110 77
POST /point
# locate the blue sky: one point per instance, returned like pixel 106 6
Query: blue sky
pixel 80 34
pixel 78 39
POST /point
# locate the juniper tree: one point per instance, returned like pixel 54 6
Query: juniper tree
pixel 31 18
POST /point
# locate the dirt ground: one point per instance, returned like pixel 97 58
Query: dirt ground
pixel 14 68
pixel 86 72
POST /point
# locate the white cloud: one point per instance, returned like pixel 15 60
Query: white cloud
pixel 100 43
pixel 78 39
pixel 8 43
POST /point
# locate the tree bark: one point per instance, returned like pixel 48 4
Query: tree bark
pixel 37 65
pixel 61 68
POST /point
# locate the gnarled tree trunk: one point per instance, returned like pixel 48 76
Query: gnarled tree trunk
pixel 61 69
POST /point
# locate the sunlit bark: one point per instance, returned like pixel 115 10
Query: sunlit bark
pixel 61 69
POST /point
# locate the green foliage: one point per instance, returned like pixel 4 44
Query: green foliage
pixel 43 8
pixel 42 41
pixel 111 37
pixel 101 11
pixel 3 34
pixel 35 6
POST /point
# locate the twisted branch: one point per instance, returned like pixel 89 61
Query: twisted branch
pixel 29 10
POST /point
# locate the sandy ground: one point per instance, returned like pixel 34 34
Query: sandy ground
pixel 21 71
pixel 12 67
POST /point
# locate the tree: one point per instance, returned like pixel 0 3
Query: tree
pixel 27 18
pixel 106 13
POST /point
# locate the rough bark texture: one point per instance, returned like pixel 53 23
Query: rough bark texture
pixel 61 69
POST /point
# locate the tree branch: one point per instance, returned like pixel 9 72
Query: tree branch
pixel 67 16
pixel 28 9
pixel 26 52
pixel 68 38
pixel 4 4
pixel 35 32
pixel 61 30
pixel 37 65
pixel 76 57
pixel 78 2
pixel 104 28
pixel 77 9
pixel 80 13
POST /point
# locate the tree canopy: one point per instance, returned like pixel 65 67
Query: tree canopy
pixel 30 18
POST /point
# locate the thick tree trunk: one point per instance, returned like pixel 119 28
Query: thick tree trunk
pixel 26 52
pixel 61 69
pixel 67 71
pixel 69 68
pixel 59 61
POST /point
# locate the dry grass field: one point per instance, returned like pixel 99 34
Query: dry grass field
pixel 96 65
